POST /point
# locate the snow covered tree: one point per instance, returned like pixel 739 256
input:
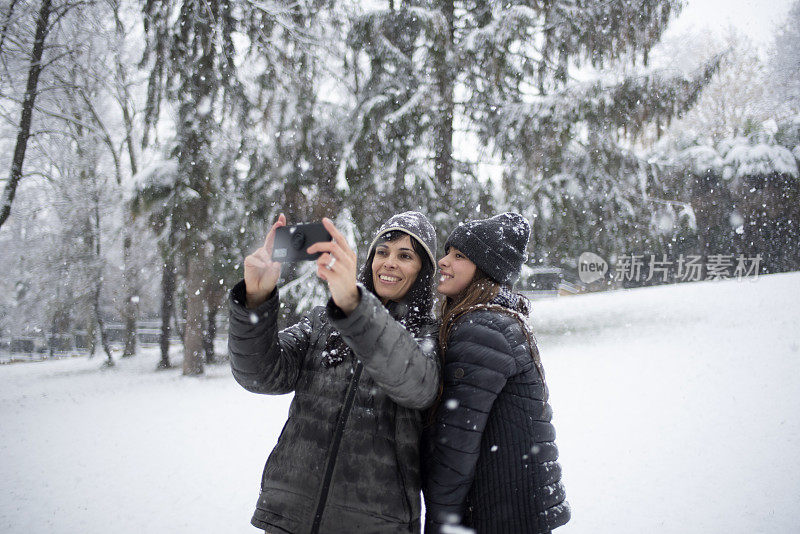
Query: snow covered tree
pixel 74 145
pixel 515 80
pixel 765 184
pixel 7 39
pixel 156 193
pixel 745 194
pixel 736 98
pixel 291 135
pixel 191 56
pixel 785 63
pixel 249 141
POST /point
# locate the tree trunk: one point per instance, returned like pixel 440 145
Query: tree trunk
pixel 193 337
pixel 167 303
pixel 99 283
pixel 53 328
pixel 132 285
pixel 179 316
pixel 27 112
pixel 210 333
pixel 91 334
pixel 443 142
pixel 131 310
pixel 215 295
pixel 101 325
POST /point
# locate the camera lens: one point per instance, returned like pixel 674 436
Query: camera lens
pixel 298 238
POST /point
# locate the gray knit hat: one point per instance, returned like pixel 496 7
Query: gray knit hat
pixel 414 224
pixel 497 245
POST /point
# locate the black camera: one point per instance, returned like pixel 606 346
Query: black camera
pixel 291 242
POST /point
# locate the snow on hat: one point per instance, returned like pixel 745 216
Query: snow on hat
pixel 414 224
pixel 496 245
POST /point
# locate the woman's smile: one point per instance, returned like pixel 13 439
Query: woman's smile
pixel 395 268
pixel 455 273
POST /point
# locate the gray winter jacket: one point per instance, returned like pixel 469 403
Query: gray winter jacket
pixel 347 459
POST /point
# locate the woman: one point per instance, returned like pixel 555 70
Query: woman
pixel 490 461
pixel 361 369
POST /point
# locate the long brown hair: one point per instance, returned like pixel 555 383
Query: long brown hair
pixel 478 295
pixel 481 290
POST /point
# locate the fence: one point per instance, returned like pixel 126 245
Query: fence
pixel 148 334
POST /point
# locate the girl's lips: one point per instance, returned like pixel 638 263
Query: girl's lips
pixel 390 280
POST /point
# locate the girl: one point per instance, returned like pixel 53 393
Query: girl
pixel 490 460
pixel 361 369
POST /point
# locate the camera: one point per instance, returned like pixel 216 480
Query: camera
pixel 291 242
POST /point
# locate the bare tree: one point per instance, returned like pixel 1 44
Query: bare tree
pixel 26 113
pixel 785 63
pixel 735 98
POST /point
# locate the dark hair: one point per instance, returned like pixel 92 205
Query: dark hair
pixel 478 295
pixel 420 296
pixel 481 290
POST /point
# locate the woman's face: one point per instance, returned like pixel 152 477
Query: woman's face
pixel 456 272
pixel 395 268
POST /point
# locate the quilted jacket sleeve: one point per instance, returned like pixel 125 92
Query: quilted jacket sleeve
pixel 404 366
pixel 478 362
pixel 264 360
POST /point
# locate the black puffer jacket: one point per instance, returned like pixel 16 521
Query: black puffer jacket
pixel 490 457
pixel 347 459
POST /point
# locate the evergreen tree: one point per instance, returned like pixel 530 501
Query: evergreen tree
pixel 745 193
pixel 249 143
pixel 192 57
pixel 476 75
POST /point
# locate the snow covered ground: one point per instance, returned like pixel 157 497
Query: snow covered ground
pixel 677 410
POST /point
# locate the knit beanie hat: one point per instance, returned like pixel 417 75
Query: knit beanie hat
pixel 496 245
pixel 414 224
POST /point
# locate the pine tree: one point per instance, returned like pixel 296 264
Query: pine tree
pixel 192 61
pixel 478 76
pixel 263 122
pixel 744 192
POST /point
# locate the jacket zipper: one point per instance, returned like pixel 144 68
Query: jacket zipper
pixel 402 476
pixel 337 439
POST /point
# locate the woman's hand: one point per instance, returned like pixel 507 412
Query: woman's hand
pixel 261 274
pixel 337 266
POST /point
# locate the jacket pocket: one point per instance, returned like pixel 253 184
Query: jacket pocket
pixel 271 454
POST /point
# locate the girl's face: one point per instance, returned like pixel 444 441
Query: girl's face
pixel 456 272
pixel 395 268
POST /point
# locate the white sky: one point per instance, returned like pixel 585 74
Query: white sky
pixel 755 18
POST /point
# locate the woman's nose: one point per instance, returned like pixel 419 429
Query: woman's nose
pixel 442 262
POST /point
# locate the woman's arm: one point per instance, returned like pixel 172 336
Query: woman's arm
pixel 477 365
pixel 264 360
pixel 404 366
